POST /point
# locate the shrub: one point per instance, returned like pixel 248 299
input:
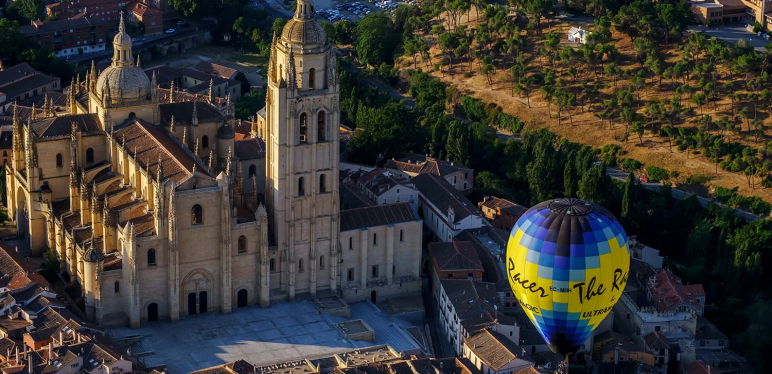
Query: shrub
pixel 629 164
pixel 473 108
pixel 697 179
pixel 723 194
pixel 656 173
pixel 509 123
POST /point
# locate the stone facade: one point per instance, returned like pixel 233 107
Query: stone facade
pixel 151 212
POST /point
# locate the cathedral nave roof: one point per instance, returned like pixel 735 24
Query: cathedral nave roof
pixel 148 143
pixel 183 113
pixel 61 127
pixel 250 148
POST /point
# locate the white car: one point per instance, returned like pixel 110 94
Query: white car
pixel 169 31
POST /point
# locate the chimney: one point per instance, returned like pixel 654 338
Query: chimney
pixel 61 337
pixel 17 355
pixel 25 351
pixel 29 365
pixel 51 350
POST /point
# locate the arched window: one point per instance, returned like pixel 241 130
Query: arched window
pixel 252 170
pixel 303 128
pixel 401 236
pixel 90 155
pixel 117 287
pixel 301 188
pixel 196 215
pixel 205 142
pixel 300 265
pixel 375 239
pixel 242 244
pixel 58 160
pixel 322 184
pixel 321 129
pixel 321 262
pixel 311 78
pixel 281 73
pixel 151 257
pixel 272 265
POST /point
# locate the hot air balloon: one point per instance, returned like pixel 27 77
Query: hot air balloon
pixel 567 264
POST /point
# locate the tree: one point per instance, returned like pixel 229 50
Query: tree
pixel 637 128
pixel 487 70
pixel 249 104
pixel 569 178
pixel 627 201
pixel 278 26
pixel 699 99
pixel 24 11
pixel 542 172
pixel 195 9
pixel 374 40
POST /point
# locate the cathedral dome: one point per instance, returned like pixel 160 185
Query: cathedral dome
pixel 126 84
pixel 303 29
pixel 226 132
pixel 123 81
pixel 303 32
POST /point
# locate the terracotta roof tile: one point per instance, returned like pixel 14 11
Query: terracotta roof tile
pixel 496 203
pixel 215 69
pixel 61 127
pixel 669 293
pixel 250 148
pixel 493 348
pixel 147 143
pixel 351 197
pixel 444 196
pixel 183 113
pixel 450 256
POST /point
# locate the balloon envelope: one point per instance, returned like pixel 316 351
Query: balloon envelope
pixel 567 264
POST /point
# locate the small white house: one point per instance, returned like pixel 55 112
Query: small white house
pixel 577 35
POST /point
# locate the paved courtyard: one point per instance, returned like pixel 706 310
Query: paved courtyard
pixel 283 332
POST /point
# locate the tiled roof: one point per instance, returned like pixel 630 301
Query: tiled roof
pixel 235 367
pixel 141 9
pixel 444 196
pixel 249 148
pixel 243 127
pixel 670 293
pixel 473 301
pixel 495 203
pixel 23 113
pixel 61 127
pixel 14 73
pixel 419 164
pixel 378 215
pixel 351 197
pixel 656 340
pixel 112 261
pixel 707 330
pixel 493 348
pixel 147 143
pixel 450 256
pixel 215 69
pixel 455 365
pixel 59 99
pixel 53 26
pixel 183 113
pixel 379 181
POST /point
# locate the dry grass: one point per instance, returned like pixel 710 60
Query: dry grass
pixel 588 128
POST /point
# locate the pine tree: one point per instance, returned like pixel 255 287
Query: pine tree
pixel 542 171
pixel 627 201
pixel 569 177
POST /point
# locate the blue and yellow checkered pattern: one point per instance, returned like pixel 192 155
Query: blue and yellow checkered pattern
pixel 567 263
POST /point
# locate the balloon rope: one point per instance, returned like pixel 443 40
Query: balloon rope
pixel 565 365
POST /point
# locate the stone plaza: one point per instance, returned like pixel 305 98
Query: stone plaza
pixel 283 332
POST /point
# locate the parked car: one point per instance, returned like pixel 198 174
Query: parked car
pixel 644 180
pixel 180 23
pixel 169 31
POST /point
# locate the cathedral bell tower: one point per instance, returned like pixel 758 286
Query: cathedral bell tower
pixel 302 121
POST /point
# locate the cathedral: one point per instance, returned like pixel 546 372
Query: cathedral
pixel 142 194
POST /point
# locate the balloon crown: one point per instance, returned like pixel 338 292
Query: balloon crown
pixel 571 206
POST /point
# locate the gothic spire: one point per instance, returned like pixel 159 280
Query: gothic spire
pixel 211 159
pixel 154 87
pixel 139 64
pixel 239 188
pixel 93 74
pixel 32 114
pixel 195 152
pixel 194 116
pixel 211 91
pixel 185 136
pixel 254 190
pixel 77 83
pixel 171 125
pixel 272 63
pixel 159 172
pixel 228 162
pixel 171 92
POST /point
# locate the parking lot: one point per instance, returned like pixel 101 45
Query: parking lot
pixel 335 11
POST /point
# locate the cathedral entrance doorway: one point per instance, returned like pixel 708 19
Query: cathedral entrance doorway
pixel 202 302
pixel 152 312
pixel 192 303
pixel 242 298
